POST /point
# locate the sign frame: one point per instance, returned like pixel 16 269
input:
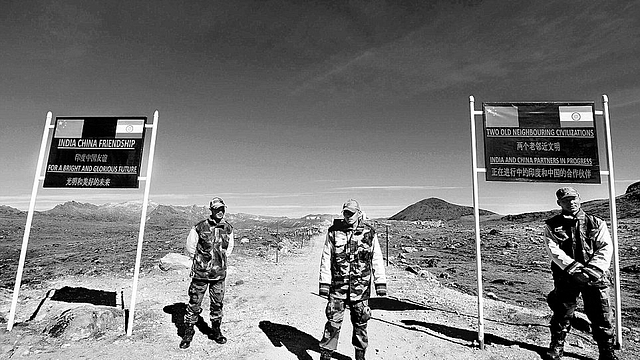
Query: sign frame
pixel 36 182
pixel 612 208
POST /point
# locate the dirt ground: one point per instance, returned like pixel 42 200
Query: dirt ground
pixel 272 311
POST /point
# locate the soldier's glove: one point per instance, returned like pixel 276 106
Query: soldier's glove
pixel 381 289
pixel 581 277
pixel 575 270
pixel 593 272
pixel 324 290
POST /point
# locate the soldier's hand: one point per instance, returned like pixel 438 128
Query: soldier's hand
pixel 580 277
pixel 592 273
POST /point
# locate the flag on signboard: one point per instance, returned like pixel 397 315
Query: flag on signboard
pixel 501 116
pixel 129 129
pixel 576 116
pixel 69 128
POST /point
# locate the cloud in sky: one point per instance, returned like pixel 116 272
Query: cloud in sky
pixel 467 45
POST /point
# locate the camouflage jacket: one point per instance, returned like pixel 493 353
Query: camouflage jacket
pixel 209 244
pixel 574 242
pixel 351 259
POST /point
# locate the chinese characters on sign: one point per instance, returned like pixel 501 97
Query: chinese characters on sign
pixel 541 142
pixel 95 152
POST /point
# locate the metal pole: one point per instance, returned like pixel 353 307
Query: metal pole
pixel 476 214
pixel 143 219
pixel 387 226
pixel 27 227
pixel 614 221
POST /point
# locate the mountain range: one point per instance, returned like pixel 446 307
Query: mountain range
pixel 628 206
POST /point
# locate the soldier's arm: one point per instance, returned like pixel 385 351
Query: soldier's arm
pixel 192 241
pixel 231 243
pixel 379 275
pixel 603 246
pixel 325 266
pixel 557 255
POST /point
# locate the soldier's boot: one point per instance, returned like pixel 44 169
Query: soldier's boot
pixel 556 347
pixel 606 351
pixel 325 354
pixel 187 337
pixel 359 354
pixel 216 333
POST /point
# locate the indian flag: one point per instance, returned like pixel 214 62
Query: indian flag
pixel 576 116
pixel 129 129
pixel 69 128
pixel 501 116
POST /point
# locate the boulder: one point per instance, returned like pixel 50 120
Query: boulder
pixel 175 261
pixel 83 322
pixel 6 298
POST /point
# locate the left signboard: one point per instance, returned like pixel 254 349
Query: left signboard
pixel 95 152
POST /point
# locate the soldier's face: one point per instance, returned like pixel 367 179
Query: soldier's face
pixel 570 204
pixel 350 217
pixel 217 213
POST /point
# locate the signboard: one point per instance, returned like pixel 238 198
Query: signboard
pixel 541 142
pixel 95 152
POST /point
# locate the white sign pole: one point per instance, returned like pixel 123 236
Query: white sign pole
pixel 476 214
pixel 614 220
pixel 143 219
pixel 27 227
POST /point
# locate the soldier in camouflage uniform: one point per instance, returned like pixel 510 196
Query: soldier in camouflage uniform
pixel 209 243
pixel 580 248
pixel 351 259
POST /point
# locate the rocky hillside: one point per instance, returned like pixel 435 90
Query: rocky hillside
pixel 435 209
pixel 627 207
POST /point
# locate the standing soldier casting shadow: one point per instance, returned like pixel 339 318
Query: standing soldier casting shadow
pixel 209 243
pixel 580 248
pixel 351 258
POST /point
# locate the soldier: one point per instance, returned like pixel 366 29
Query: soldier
pixel 351 259
pixel 209 243
pixel 580 248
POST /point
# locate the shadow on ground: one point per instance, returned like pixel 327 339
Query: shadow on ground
pixel 70 294
pixel 394 304
pixel 470 336
pixel 297 342
pixel 177 311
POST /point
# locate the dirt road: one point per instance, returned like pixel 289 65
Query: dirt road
pixel 272 311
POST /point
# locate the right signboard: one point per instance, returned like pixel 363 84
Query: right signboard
pixel 541 142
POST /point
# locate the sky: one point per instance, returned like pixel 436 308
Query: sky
pixel 291 107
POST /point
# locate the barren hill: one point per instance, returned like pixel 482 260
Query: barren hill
pixel 435 209
pixel 627 207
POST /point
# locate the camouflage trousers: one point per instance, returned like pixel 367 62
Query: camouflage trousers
pixel 197 290
pixel 360 314
pixel 563 302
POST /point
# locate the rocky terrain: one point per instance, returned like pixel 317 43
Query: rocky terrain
pixel 83 251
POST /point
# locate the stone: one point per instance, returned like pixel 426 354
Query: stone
pixel 82 322
pixel 175 261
